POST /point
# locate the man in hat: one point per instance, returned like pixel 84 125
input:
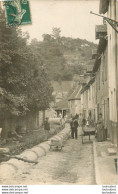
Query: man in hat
pixel 74 126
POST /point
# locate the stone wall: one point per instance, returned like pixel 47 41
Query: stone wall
pixel 31 121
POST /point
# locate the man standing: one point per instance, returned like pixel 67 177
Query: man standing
pixel 47 126
pixel 74 126
pixel 71 125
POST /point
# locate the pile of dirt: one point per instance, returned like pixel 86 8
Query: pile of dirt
pixel 28 140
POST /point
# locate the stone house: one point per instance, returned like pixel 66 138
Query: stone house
pixel 62 107
pixel 88 100
pixel 74 101
pixel 110 7
pixel 101 83
pixel 84 101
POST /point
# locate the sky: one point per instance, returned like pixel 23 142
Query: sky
pixel 73 17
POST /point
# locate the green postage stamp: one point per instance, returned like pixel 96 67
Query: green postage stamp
pixel 18 12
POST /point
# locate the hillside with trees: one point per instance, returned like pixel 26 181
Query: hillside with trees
pixel 62 56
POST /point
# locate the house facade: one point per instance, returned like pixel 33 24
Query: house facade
pixel 84 102
pixel 62 108
pixel 105 70
pixel 101 83
pixel 74 102
pixel 110 7
pixel 88 100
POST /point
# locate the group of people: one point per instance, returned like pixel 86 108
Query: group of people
pixel 100 131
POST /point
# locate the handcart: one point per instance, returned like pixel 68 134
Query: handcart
pixel 87 131
pixel 56 144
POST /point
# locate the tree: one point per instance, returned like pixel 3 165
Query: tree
pixel 47 37
pixel 56 33
pixel 52 54
pixel 24 82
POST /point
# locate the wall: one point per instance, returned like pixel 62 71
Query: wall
pixel 75 107
pixel 102 91
pixel 112 68
pixel 117 71
pixel 51 113
pixel 10 122
pixel 91 100
pixel 84 103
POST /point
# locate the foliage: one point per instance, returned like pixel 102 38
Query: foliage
pixel 56 33
pixel 64 57
pixel 23 80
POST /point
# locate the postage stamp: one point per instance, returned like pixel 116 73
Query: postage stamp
pixel 18 12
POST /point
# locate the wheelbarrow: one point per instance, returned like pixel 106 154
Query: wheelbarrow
pixel 56 144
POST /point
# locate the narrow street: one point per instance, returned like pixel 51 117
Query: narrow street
pixel 73 165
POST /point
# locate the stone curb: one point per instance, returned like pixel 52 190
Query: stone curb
pixel 9 168
pixel 96 166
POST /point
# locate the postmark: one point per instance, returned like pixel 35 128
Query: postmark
pixel 18 12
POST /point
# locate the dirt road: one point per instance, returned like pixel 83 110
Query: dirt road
pixel 72 165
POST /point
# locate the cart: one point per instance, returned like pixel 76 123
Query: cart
pixel 87 131
pixel 56 144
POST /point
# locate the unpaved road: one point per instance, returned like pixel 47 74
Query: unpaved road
pixel 73 165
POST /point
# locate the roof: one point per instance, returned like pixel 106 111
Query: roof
pixel 101 47
pixel 87 85
pixel 91 81
pixel 97 64
pixel 63 104
pixel 103 6
pixel 75 95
